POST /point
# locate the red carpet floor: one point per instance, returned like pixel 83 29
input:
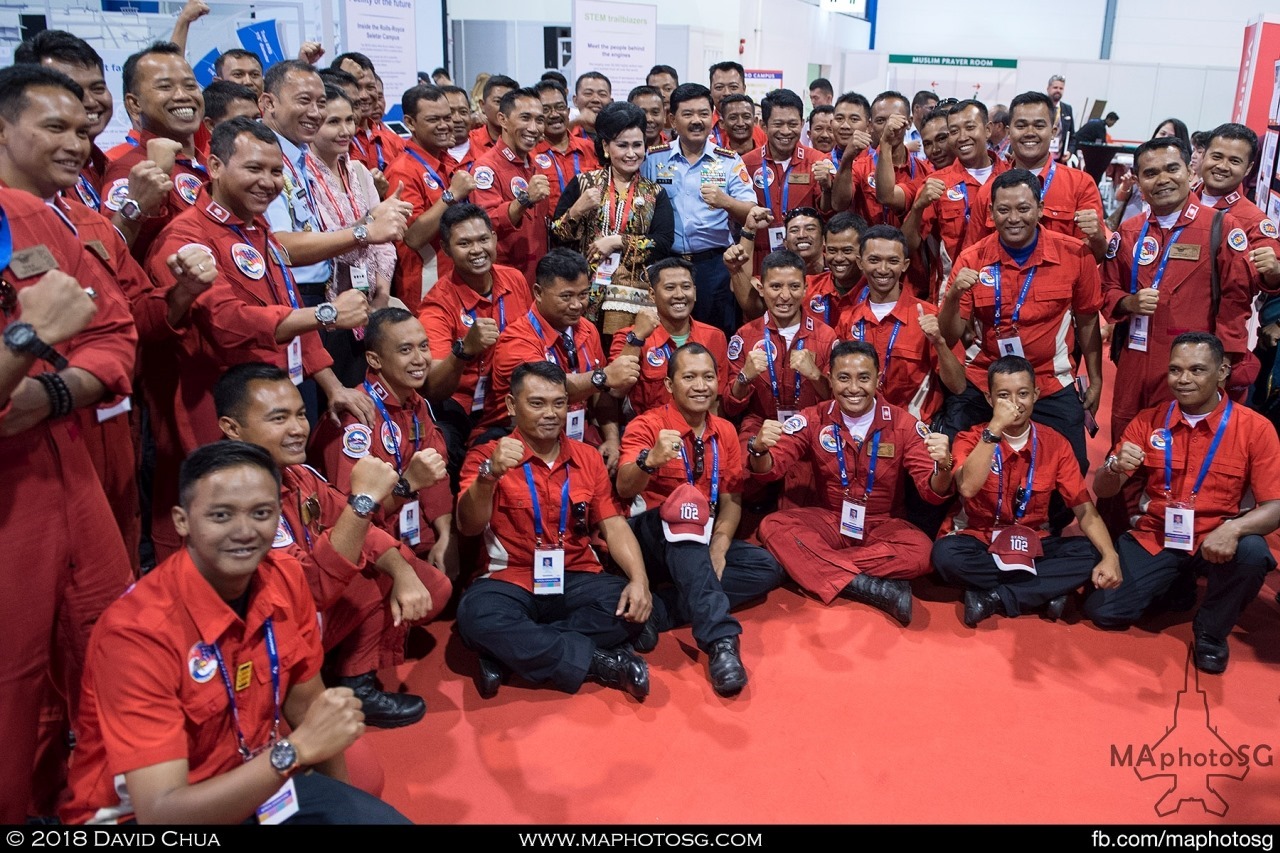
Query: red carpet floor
pixel 850 718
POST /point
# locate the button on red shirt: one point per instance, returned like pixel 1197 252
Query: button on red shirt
pixel 642 433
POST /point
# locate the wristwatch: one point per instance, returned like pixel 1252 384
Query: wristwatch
pixel 1110 464
pixel 361 233
pixel 131 210
pixel 402 489
pixel 448 197
pixel 363 505
pixel 460 351
pixel 485 471
pixel 599 379
pixel 990 437
pixel 327 315
pixel 634 340
pixel 21 338
pixel 751 448
pixel 641 458
pixel 522 198
pixel 284 758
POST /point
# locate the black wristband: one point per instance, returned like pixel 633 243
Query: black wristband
pixel 60 402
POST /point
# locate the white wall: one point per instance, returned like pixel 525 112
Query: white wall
pixel 1191 31
pixel 1000 29
pixel 791 34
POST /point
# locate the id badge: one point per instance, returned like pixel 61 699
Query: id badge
pixel 1139 327
pixel 852 517
pixel 604 272
pixel 785 415
pixel 1010 346
pixel 295 360
pixel 576 428
pixel 1179 527
pixel 411 522
pixel 106 413
pixel 548 571
pixel 360 279
pixel 776 236
pixel 280 806
pixel 482 390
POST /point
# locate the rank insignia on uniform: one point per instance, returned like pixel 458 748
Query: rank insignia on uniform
pixel 356 440
pixel 248 260
pixel 1237 240
pixel 794 424
pixel 735 347
pixel 217 211
pixel 885 413
pixel 725 152
pixel 188 186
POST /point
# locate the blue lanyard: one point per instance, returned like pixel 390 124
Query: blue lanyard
pixel 582 350
pixel 1044 191
pixel 377 146
pixel 273 656
pixel 871 462
pixel 836 154
pixel 1208 457
pixel 430 171
pixel 715 470
pixel 88 194
pixel 555 161
pixel 391 427
pixel 6 240
pixel 284 270
pixel 1017 306
pixel 1137 250
pixel 964 191
pixel 786 184
pixel 1019 502
pixel 773 372
pixel 537 509
pixel 715 134
pixel 502 315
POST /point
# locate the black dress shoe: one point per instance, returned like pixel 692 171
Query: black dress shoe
pixel 1054 609
pixel 724 664
pixel 1211 655
pixel 490 678
pixel 384 710
pixel 620 668
pixel 892 595
pixel 647 639
pixel 980 604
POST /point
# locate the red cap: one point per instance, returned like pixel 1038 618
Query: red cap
pixel 686 515
pixel 1016 549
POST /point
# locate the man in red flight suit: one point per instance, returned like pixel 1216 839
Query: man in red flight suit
pixel 561 155
pixel 859 449
pixel 464 314
pixel 828 293
pixel 420 509
pixel 73 562
pixel 432 182
pixel 164 100
pixel 855 183
pixel 375 145
pixel 484 138
pixel 252 311
pixel 1228 159
pixel 1070 198
pixel 364 618
pixel 660 331
pixel 509 188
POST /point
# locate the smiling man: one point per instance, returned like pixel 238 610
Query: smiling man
pixel 561 155
pixel 828 293
pixel 591 92
pixel 1228 158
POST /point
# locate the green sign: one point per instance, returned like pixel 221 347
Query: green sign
pixel 953 61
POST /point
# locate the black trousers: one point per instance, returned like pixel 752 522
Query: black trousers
pixel 716 304
pixel 1231 585
pixel 545 638
pixel 1068 561
pixel 695 596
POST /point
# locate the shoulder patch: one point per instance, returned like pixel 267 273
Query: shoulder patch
pixel 188 186
pixel 921 429
pixel 115 196
pixel 1268 229
pixel 1113 245
pixel 356 440
pixel 735 347
pixel 1237 240
pixel 484 177
pixel 794 424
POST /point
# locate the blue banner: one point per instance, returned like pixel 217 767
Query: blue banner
pixel 203 67
pixel 263 38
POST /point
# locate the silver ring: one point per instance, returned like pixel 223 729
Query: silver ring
pixel 675 445
pixel 93 294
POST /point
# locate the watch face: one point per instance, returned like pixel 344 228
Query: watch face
pixel 283 755
pixel 362 504
pixel 326 313
pixel 19 335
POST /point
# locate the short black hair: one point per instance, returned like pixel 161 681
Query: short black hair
pixel 1233 130
pixel 130 73
pixel 414 95
pixel 338 77
pixel 824 110
pixel 456 214
pixel 845 221
pixel 883 232
pixel 274 79
pixel 497 81
pixel 1111 116
pixel 640 92
pixel 663 69
pixel 780 260
pixel 1194 339
pixel 58 45
pixel 847 348
pixel 1200 139
pixel 220 94
pixel 668 263
pixel 822 84
pixel 231 391
pixel 1159 144
pixel 218 456
pixel 780 99
pixel 858 100
pixel 436 71
pixel 508 102
pixel 613 120
pixel 689 92
pixel 891 95
pixel 591 75
pixel 560 263
pixel 358 58
pixel 690 348
pixel 222 143
pixel 728 65
pixel 555 77
pixel 234 53
pixel 970 102
pixel 1016 177
pixel 737 98
pixel 17 80
pixel 936 114
pixel 550 86
pixel 376 329
pixel 923 97
pixel 1000 115
pixel 548 370
pixel 1032 99
pixel 1009 365
pixel 336 93
pixel 456 90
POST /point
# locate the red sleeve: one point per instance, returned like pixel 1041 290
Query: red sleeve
pixel 303 613
pixel 494 201
pixel 732 471
pixel 1086 295
pixel 963 445
pixel 618 342
pixel 919 463
pixel 1114 273
pixel 730 405
pixel 437 500
pixel 408 171
pixel 471 465
pixel 1264 450
pixel 435 319
pixel 639 435
pixel 604 503
pixel 1070 483
pixel 510 352
pixel 790 449
pixel 107 347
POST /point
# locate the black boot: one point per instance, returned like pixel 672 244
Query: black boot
pixel 490 677
pixel 980 604
pixel 647 639
pixel 1054 609
pixel 724 665
pixel 891 595
pixel 381 709
pixel 620 668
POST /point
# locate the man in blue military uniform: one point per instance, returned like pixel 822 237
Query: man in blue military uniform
pixel 708 186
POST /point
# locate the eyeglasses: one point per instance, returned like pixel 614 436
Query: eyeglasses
pixel 947 102
pixel 580 519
